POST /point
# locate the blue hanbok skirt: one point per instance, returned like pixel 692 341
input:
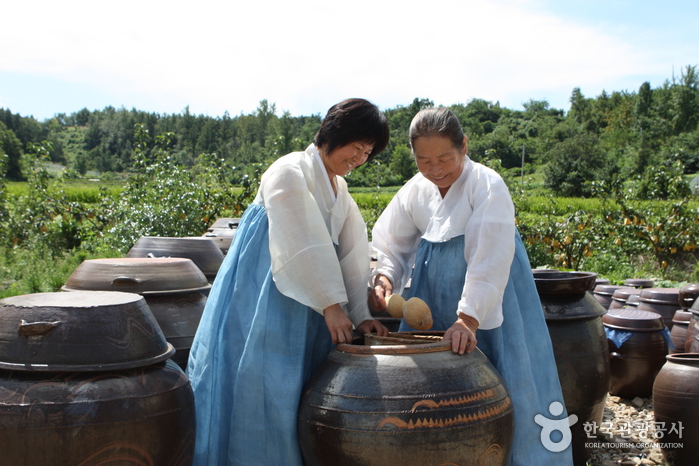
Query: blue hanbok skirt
pixel 520 348
pixel 252 354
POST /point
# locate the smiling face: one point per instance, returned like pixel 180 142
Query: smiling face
pixel 345 158
pixel 439 161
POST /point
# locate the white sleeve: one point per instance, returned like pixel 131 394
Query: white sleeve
pixel 488 250
pixel 305 265
pixel 395 238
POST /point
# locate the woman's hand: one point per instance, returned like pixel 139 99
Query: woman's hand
pixel 338 324
pixel 462 334
pixel 371 326
pixel 383 288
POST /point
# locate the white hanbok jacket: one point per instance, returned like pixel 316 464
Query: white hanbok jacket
pixel 317 240
pixel 478 205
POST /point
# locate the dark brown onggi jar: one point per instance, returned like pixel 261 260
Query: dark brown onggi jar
pixel 688 294
pixel 173 288
pixel 202 251
pixel 222 232
pixel 676 409
pixel 603 294
pixel 621 296
pixel 639 282
pixel 663 301
pixel 574 321
pixel 678 334
pixel 405 400
pixel 637 350
pixel 85 380
pixel 692 325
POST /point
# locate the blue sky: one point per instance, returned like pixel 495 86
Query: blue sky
pixel 215 56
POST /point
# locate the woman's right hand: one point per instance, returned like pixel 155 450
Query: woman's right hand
pixel 338 324
pixel 383 288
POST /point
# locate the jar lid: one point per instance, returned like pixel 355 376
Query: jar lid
pixel 201 250
pixel 625 292
pixel 668 296
pixel 145 276
pixel 564 283
pixel 633 320
pixel 608 290
pixel 639 282
pixel 79 331
pixel 688 295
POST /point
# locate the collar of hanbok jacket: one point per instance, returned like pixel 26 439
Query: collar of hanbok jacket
pixel 448 215
pixel 337 206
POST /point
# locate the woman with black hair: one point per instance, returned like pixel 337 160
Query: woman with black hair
pixel 292 285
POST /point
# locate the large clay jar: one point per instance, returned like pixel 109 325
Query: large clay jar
pixel 405 402
pixel 635 363
pixel 140 416
pixel 663 301
pixel 639 282
pixel 676 408
pixel 688 294
pixel 692 325
pixel 85 380
pixel 574 320
pixel 603 292
pixel 678 334
pixel 693 346
pixel 172 287
pixel 202 251
pixel 621 296
pixel 222 233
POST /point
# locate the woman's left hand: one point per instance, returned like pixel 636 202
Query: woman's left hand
pixel 338 324
pixel 462 334
pixel 372 326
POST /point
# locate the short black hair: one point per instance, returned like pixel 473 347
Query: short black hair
pixel 353 120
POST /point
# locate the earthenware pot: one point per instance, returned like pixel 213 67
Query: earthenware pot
pixel 637 350
pixel 79 331
pixel 676 408
pixel 574 319
pixel 405 403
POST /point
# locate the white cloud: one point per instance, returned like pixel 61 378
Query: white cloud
pixel 306 55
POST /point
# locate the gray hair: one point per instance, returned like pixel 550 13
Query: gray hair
pixel 436 122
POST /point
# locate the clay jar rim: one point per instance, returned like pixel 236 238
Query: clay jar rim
pixel 690 359
pixel 416 348
pixel 564 283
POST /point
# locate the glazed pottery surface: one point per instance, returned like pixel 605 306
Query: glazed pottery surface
pixel 664 301
pixel 620 296
pixel 574 320
pixel 639 282
pixel 678 334
pixel 202 251
pixel 79 331
pixel 676 406
pixel 688 295
pixel 172 288
pixel 634 365
pixel 405 404
pixel 142 416
pixel 603 294
pixel 145 276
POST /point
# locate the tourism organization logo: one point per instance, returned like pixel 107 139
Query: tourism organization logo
pixel 551 426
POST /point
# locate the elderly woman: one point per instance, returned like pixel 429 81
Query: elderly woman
pixel 292 285
pixel 454 223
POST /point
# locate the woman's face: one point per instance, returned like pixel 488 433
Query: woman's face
pixel 438 160
pixel 345 158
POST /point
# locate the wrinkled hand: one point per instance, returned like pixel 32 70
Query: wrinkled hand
pixel 462 334
pixel 338 324
pixel 383 288
pixel 372 326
